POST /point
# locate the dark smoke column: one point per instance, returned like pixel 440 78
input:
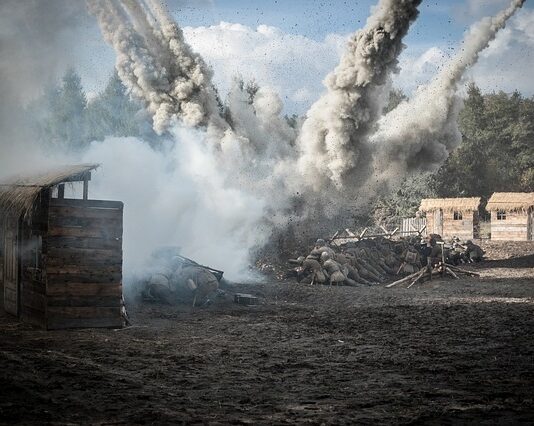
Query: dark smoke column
pixel 333 138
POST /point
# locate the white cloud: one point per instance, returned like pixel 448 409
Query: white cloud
pixel 505 65
pixel 292 64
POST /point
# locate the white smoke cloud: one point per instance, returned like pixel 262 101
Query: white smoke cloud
pixel 420 133
pixel 177 196
pixel 37 43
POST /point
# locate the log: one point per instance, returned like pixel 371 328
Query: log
pixel 462 271
pixel 407 278
pixel 421 274
pixel 451 272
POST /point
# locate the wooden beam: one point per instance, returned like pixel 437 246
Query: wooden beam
pixel 61 191
pixel 86 189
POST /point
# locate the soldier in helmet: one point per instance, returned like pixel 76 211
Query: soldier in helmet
pixel 196 282
pixel 474 252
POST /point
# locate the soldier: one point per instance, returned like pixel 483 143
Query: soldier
pixel 362 270
pixel 158 288
pixel 474 252
pixel 337 274
pixel 352 272
pixel 196 281
pixel 314 271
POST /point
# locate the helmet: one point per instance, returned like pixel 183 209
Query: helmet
pixel 325 256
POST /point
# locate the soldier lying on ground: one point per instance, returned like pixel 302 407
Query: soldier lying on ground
pixel 474 252
pixel 196 282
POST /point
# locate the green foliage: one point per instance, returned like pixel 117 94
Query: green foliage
pixel 497 150
pixel 405 201
pixel 64 120
pixel 496 154
pixel 112 112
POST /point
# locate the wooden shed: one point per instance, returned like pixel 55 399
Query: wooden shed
pixel 62 257
pixel 451 217
pixel 512 216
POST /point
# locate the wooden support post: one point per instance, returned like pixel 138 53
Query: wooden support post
pixel 61 191
pixel 86 189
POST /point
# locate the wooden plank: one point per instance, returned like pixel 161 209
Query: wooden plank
pixel 84 301
pixel 80 253
pixel 86 264
pixel 82 312
pixel 91 270
pixel 115 278
pixel 83 212
pixel 83 289
pixel 85 232
pixel 81 243
pixel 91 222
pixel 61 323
pixel 103 204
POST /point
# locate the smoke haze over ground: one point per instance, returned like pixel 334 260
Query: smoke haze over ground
pixel 226 174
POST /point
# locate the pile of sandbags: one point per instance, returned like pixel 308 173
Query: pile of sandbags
pixel 366 262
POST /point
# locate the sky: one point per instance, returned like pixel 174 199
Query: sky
pixel 290 45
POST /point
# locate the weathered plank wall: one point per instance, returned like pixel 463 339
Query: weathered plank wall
pixel 2 254
pixel 33 286
pixel 462 229
pixel 11 266
pixel 513 228
pixel 83 258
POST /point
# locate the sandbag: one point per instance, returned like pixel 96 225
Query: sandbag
pixel 337 277
pixel 331 266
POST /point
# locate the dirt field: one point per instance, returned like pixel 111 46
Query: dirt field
pixel 444 352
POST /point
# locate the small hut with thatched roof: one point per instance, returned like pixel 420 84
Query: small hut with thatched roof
pixel 512 216
pixel 62 257
pixel 451 217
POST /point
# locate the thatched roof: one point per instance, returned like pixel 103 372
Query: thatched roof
pixel 450 204
pixel 511 201
pixel 19 193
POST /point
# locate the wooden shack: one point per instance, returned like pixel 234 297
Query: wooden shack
pixel 451 217
pixel 62 257
pixel 512 216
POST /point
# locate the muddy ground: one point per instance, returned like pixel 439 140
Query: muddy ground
pixel 444 352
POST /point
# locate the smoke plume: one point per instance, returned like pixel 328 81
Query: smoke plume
pixel 333 138
pixel 156 64
pixel 420 133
